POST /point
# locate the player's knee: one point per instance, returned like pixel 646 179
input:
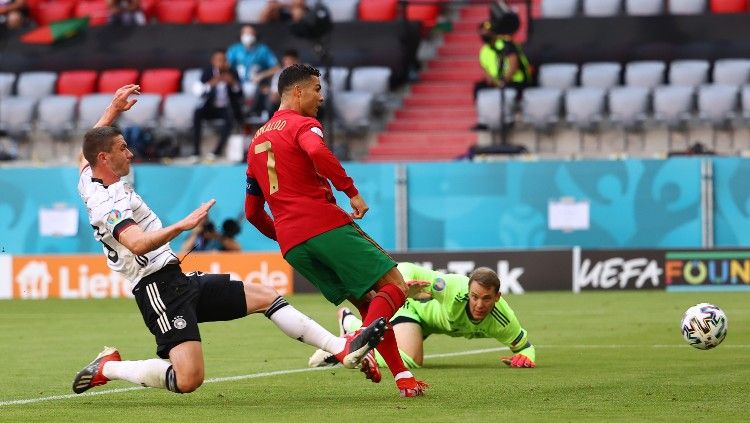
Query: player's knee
pixel 189 381
pixel 263 296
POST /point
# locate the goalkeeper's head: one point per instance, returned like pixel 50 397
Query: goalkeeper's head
pixel 484 292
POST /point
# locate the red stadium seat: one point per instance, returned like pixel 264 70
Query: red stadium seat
pixel 44 12
pixel 111 80
pixel 729 6
pixel 176 11
pixel 215 11
pixel 425 13
pixel 161 81
pixel 96 10
pixel 77 83
pixel 378 10
pixel 149 8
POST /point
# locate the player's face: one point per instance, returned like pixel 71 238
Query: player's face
pixel 481 300
pixel 119 157
pixel 310 97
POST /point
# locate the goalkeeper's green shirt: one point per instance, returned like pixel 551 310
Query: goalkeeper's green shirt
pixel 447 312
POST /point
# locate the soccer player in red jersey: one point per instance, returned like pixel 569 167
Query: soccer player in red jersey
pixel 289 166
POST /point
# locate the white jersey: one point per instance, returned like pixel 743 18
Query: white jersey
pixel 113 208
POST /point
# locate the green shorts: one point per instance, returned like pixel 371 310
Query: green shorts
pixel 342 263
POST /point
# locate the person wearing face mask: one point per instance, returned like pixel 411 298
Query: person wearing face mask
pixel 255 64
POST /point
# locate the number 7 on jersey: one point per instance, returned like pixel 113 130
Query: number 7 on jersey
pixel 273 180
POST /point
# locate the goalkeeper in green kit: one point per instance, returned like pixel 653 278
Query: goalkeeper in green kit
pixel 447 304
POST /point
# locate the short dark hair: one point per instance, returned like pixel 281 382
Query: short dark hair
pixel 486 277
pixel 295 74
pixel 230 228
pixel 291 52
pixel 98 140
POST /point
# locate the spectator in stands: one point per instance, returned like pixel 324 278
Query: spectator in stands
pixel 221 99
pixel 256 64
pixel 125 12
pixel 290 57
pixel 283 11
pixel 13 13
pixel 205 237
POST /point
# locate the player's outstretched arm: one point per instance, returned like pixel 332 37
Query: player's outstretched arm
pixel 120 103
pixel 255 212
pixel 140 242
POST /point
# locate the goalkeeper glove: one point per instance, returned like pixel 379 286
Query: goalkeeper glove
pixel 518 360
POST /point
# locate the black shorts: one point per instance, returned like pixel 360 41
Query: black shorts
pixel 173 303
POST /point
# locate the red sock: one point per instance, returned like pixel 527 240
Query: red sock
pixel 388 299
pixel 363 308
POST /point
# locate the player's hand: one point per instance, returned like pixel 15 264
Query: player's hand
pixel 518 360
pixel 359 207
pixel 121 102
pixel 197 217
pixel 415 289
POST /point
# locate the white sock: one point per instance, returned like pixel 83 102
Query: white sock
pixel 302 328
pixel 152 373
pixel 404 374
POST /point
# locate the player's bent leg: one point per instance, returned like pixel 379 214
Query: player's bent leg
pixel 187 367
pixel 410 342
pixel 259 297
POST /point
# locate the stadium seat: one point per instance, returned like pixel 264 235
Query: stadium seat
pixel 96 10
pixel 378 10
pixel 249 11
pixel 6 83
pixel 687 7
pixel 17 114
pixel 600 8
pixel 90 109
pixel 488 107
pixel 176 11
pixel 177 114
pixel 342 10
pixel 745 100
pixel 160 81
pixel 644 7
pixel 339 76
pixel 601 75
pixel 558 75
pixel 645 73
pixel 76 83
pixel 373 79
pixel 688 72
pixel 427 14
pixel 559 8
pixel 353 108
pixel 56 115
pixel 149 8
pixel 584 108
pixel 146 115
pixel 729 6
pixel 215 11
pixel 628 109
pixel 717 105
pixel 673 106
pixel 541 110
pixel 732 71
pixel 190 78
pixel 36 84
pixel 49 11
pixel 111 80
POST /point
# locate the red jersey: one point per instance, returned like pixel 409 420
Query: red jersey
pixel 289 165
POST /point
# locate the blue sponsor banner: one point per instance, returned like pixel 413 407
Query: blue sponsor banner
pixel 707 270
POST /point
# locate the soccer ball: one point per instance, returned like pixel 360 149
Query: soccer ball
pixel 704 326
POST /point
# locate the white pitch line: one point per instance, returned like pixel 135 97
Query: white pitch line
pixel 307 369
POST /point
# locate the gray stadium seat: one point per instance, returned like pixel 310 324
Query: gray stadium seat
pixel 644 7
pixel 353 109
pixel 339 76
pixel 732 71
pixel 558 75
pixel 488 106
pixel 6 83
pixel 559 8
pixel 248 11
pixel 628 108
pixel 673 106
pixel 541 110
pixel 372 79
pixel 645 73
pixel 36 84
pixel 190 78
pixel 145 114
pixel 342 10
pixel 601 75
pixel 90 109
pixel 601 7
pixel 584 109
pixel 56 115
pixel 17 115
pixel 745 96
pixel 687 7
pixel 688 72
pixel 717 105
pixel 178 111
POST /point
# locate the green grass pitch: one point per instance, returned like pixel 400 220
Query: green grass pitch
pixel 606 356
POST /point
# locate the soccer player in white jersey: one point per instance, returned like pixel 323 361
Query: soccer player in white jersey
pixel 172 303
